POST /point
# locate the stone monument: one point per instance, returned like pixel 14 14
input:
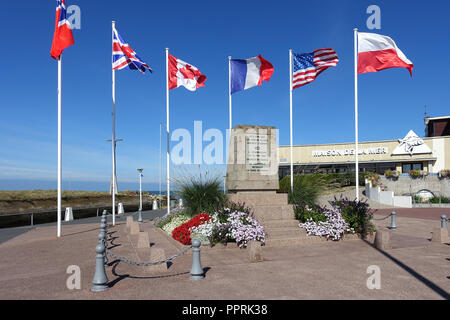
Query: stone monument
pixel 252 159
pixel 252 179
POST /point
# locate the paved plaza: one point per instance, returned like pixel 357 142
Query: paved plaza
pixel 34 265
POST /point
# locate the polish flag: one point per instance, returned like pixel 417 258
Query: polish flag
pixel 184 74
pixel 377 52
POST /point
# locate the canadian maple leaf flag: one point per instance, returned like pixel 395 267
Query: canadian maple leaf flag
pixel 184 74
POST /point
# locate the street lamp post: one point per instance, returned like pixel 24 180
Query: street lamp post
pixel 140 194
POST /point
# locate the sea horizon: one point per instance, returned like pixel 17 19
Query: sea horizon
pixel 102 186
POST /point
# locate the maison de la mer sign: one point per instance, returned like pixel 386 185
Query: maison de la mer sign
pixel 348 152
pixel 409 145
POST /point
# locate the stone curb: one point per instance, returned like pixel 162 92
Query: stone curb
pixel 233 245
pixel 174 242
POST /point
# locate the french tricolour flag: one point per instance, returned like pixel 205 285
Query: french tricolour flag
pixel 377 52
pixel 247 73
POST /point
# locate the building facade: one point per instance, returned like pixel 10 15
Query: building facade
pixel 439 126
pixel 429 154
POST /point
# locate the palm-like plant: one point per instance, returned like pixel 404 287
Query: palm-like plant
pixel 201 193
pixel 307 188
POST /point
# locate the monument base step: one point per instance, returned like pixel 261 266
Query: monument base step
pixel 288 240
pixel 283 212
pixel 259 198
pixel 273 232
pixel 280 223
pixel 273 212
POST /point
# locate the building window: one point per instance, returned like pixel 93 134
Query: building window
pixel 407 167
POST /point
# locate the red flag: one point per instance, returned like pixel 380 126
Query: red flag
pixel 377 52
pixel 184 74
pixel 62 38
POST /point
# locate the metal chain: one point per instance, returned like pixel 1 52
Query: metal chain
pixel 146 264
pixel 107 212
pixel 382 218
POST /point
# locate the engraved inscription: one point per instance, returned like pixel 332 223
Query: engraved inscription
pixel 257 153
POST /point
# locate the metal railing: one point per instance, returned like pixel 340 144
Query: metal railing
pixel 436 194
pixel 33 213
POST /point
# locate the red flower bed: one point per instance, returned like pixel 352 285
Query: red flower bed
pixel 182 233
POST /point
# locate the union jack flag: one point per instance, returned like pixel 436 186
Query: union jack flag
pixel 62 38
pixel 124 57
pixel 307 66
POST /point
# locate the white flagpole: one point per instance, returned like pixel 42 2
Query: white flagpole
pixel 113 136
pixel 290 119
pixel 160 162
pixel 229 90
pixel 356 116
pixel 167 131
pixel 59 145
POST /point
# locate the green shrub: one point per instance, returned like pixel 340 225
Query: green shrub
pixel 303 212
pixel 374 178
pixel 201 194
pixel 356 213
pixel 436 200
pixel 414 173
pixel 306 188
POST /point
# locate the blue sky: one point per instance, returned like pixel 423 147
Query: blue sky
pixel 203 33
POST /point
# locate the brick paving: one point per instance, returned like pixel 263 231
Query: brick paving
pixel 34 264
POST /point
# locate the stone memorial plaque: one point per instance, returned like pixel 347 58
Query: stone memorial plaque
pixel 257 153
pixel 252 160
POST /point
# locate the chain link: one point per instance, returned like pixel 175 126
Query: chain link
pixel 109 213
pixel 146 264
pixel 382 218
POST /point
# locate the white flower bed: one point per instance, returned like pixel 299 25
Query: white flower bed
pixel 175 222
pixel 334 226
pixel 239 226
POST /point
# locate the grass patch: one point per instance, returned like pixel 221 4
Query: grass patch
pixel 33 195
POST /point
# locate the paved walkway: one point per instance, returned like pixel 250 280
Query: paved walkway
pixel 34 264
pixel 417 213
pixel 9 233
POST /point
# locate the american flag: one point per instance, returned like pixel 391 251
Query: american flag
pixel 124 57
pixel 307 66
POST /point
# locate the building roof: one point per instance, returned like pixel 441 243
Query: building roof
pixel 436 118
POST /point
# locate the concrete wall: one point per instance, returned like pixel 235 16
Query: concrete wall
pixel 387 197
pixel 404 202
pixel 405 185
